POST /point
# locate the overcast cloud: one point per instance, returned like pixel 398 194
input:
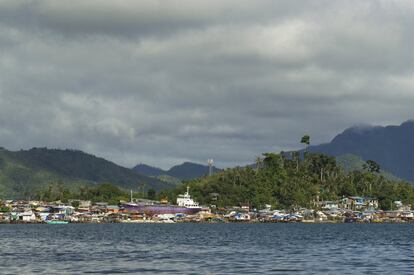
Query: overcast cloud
pixel 162 82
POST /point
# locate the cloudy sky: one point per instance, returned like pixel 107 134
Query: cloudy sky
pixel 162 82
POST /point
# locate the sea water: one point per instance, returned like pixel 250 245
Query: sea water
pixel 207 248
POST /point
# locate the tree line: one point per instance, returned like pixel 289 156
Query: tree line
pixel 284 180
pixel 294 179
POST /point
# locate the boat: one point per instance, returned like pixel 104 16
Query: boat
pixel 185 205
pixel 241 217
pixel 56 222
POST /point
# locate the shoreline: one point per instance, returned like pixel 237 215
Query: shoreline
pixel 212 222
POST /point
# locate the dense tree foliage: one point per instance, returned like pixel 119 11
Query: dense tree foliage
pixel 305 140
pixel 372 166
pixel 76 164
pixel 391 146
pixel 286 181
pixel 24 173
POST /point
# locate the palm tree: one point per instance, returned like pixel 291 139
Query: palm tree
pixel 305 140
pixel 371 166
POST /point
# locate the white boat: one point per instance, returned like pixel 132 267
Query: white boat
pixel 242 217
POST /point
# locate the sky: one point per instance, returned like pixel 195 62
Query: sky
pixel 162 82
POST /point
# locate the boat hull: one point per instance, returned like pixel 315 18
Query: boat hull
pixel 160 209
pixel 57 222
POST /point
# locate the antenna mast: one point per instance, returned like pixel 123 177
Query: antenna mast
pixel 210 167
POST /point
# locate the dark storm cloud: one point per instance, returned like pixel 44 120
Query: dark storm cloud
pixel 169 81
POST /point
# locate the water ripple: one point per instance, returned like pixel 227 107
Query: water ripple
pixel 206 248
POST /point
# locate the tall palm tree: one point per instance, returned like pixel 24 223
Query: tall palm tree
pixel 305 140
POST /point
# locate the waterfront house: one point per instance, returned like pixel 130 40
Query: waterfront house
pixel 81 217
pixel 26 216
pixel 359 203
pixel 327 205
pixel 333 213
pixel 97 218
pixel 353 203
pixel 371 202
pixel 245 207
pixel 392 214
pixel 99 208
pixel 83 205
pixel 62 209
pixel 407 215
pixel 43 212
pixel 114 217
pixel 35 203
pixel 404 210
pixel 112 209
pixel 402 207
pixel 367 216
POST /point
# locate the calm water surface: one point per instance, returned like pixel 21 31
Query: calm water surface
pixel 207 248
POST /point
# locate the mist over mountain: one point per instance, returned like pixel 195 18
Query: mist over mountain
pixel 391 146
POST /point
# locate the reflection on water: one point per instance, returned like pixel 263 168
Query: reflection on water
pixel 207 248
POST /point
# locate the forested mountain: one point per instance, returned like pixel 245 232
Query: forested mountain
pixel 148 170
pixel 391 146
pixel 189 170
pixel 351 163
pixel 23 173
pixel 184 171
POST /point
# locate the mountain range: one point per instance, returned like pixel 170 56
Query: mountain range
pixel 184 171
pixel 24 172
pixel 391 146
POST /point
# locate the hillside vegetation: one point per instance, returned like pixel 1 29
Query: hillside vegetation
pixel 287 182
pixel 25 173
pixel 391 146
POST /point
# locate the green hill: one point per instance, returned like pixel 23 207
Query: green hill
pixel 351 163
pixel 148 170
pixel 294 182
pixel 23 173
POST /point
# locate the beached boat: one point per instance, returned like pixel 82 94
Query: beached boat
pixel 185 205
pixel 57 222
